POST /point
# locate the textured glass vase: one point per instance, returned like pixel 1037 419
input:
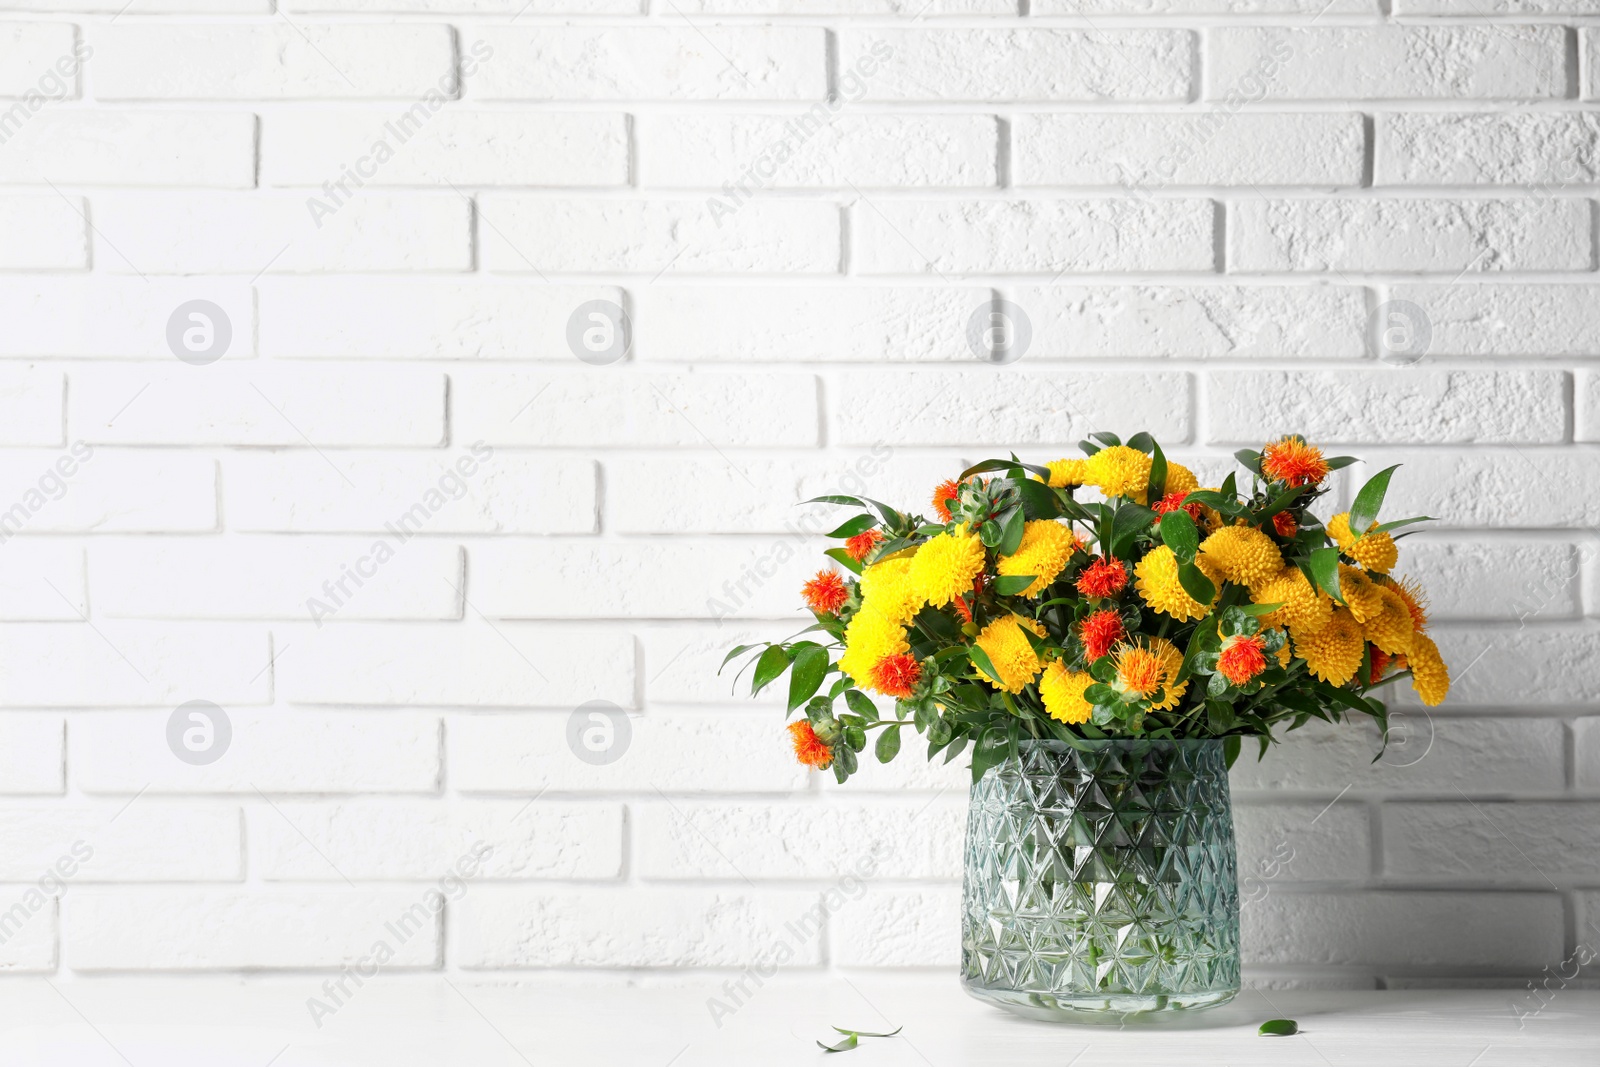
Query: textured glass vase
pixel 1101 882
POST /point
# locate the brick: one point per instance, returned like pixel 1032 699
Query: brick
pixel 1427 753
pixel 475 665
pixel 42 581
pixel 32 944
pixel 1005 407
pixel 662 410
pixel 1446 236
pixel 43 233
pixel 1493 7
pixel 81 489
pixel 648 63
pixel 271 62
pixel 406 318
pixel 1589 46
pixel 917 9
pixel 162 233
pixel 1500 62
pixel 131 148
pixel 681 663
pixel 1203 7
pixel 1586 746
pixel 468 490
pixel 693 495
pixel 733 840
pixel 1549 150
pixel 504 926
pixel 388 840
pixel 653 237
pixel 148 841
pixel 1035 236
pixel 1214 147
pixel 846 324
pixel 108 317
pixel 900 927
pixel 1421 929
pixel 638 580
pixel 242 404
pixel 1019 64
pixel 32 754
pixel 421 147
pixel 29 54
pixel 823 147
pixel 31 402
pixel 1194 322
pixel 1495 487
pixel 51 665
pixel 476 7
pixel 1478 579
pixel 1524 843
pixel 1506 320
pixel 270 578
pixel 271 751
pixel 147 7
pixel 1392 406
pixel 682 752
pixel 1587 398
pixel 180 929
pixel 1303 842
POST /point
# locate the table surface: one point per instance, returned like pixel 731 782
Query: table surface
pixel 462 1021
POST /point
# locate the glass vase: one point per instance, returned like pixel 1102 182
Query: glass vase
pixel 1101 881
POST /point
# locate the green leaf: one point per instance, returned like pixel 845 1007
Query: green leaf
pixel 864 1033
pixel 993 747
pixel 1178 532
pixel 980 659
pixel 1039 501
pixel 1230 748
pixel 1250 460
pixel 1281 502
pixel 1011 538
pixel 1012 584
pixel 835 498
pixel 1364 512
pixel 736 650
pixel 1340 462
pixel 846 1045
pixel 1129 521
pixel 989 465
pixel 1158 472
pixel 1385 527
pixel 855 737
pixel 773 662
pixel 840 556
pixel 888 744
pixel 1194 581
pixel 851 527
pixel 1142 441
pixel 810 667
pixel 844 759
pixel 861 704
pixel 1279 1028
pixel 1324 566
pixel 1106 438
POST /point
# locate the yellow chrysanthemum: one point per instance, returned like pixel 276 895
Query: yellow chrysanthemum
pixel 1429 675
pixel 1180 479
pixel 1157 582
pixel 1119 471
pixel 1171 664
pixel 1008 649
pixel 1242 554
pixel 1415 599
pixel 1046 547
pixel 945 566
pixel 1390 629
pixel 1062 690
pixel 1360 595
pixel 887 588
pixel 1305 608
pixel 1334 652
pixel 870 636
pixel 1066 472
pixel 1374 551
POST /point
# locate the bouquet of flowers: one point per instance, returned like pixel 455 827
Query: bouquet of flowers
pixel 1163 610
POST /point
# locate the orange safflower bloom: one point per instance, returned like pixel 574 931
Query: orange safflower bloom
pixel 1380 663
pixel 1103 578
pixel 1140 670
pixel 1243 657
pixel 1174 501
pixel 1284 525
pixel 896 675
pixel 943 493
pixel 1293 462
pixel 809 749
pixel 863 543
pixel 1100 632
pixel 826 593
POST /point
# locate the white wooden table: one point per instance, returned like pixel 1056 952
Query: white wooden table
pixel 465 1021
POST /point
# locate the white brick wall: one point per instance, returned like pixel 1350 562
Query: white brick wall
pixel 399 532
